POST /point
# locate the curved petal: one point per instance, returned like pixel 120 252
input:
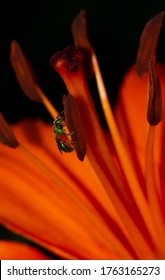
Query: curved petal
pixel 38 137
pixel 10 250
pixel 52 212
pixel 131 111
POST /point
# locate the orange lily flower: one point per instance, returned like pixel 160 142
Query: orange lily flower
pixel 108 204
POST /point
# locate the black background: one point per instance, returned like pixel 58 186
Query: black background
pixel 43 27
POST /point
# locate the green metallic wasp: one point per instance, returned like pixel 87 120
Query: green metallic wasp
pixel 62 138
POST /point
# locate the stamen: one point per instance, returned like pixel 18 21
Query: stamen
pixel 122 151
pixel 69 65
pixel 75 125
pixel 53 112
pixel 77 86
pixel 23 72
pixel 154 112
pixel 153 196
pixel 7 136
pixel 79 30
pixel 26 78
pixel 148 43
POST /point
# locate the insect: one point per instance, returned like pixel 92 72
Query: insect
pixel 64 143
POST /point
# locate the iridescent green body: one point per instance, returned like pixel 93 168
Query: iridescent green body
pixel 63 142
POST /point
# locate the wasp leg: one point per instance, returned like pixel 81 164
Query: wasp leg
pixel 60 114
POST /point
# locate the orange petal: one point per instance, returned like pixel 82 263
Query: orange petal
pixel 131 110
pixel 10 250
pixel 38 137
pixel 36 207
